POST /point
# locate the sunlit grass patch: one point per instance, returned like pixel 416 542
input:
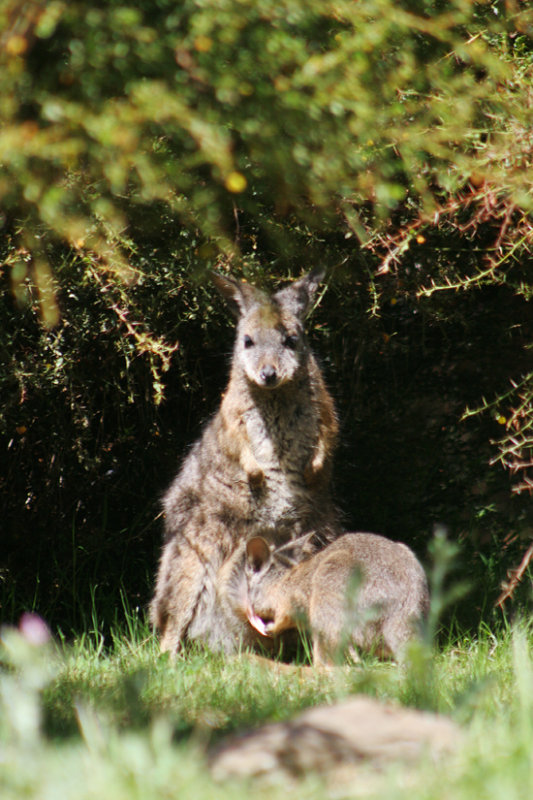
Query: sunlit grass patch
pixel 80 720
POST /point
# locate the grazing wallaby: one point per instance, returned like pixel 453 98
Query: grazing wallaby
pixel 262 465
pixel 362 590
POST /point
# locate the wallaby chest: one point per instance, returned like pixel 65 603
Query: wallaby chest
pixel 282 436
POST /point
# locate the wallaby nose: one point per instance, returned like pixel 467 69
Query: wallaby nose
pixel 268 375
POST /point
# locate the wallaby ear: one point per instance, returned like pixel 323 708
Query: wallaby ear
pixel 239 295
pixel 298 297
pixel 257 552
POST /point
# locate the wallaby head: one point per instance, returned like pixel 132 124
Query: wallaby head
pixel 262 571
pixel 270 346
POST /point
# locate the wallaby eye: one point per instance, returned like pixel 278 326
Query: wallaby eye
pixel 248 342
pixel 291 341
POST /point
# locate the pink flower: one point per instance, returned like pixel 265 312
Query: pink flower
pixel 34 629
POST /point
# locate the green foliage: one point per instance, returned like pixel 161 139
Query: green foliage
pixel 293 105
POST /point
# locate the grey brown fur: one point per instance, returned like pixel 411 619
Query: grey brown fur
pixel 363 590
pixel 262 465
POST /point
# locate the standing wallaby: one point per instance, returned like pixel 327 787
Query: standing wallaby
pixel 262 465
pixel 362 590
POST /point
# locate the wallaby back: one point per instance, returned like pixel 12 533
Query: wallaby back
pixel 262 465
pixel 362 589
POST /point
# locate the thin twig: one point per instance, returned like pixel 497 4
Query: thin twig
pixel 514 577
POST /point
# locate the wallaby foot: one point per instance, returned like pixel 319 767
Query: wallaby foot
pixel 277 667
pixel 170 644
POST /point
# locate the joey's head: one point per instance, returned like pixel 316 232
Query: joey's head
pixel 265 606
pixel 270 347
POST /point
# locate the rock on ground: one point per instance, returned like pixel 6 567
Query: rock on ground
pixel 328 739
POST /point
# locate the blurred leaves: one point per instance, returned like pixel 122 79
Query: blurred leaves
pixel 28 663
pixel 324 103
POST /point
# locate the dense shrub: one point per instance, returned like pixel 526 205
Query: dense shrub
pixel 141 145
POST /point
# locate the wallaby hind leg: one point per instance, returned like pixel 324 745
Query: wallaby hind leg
pixel 398 631
pixel 182 578
pixel 325 651
pixel 327 617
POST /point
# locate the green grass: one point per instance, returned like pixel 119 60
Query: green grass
pixel 116 720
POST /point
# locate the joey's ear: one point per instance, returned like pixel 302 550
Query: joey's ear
pixel 257 552
pixel 298 297
pixel 239 295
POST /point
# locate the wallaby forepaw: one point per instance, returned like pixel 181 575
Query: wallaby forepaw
pixel 256 478
pixel 312 473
